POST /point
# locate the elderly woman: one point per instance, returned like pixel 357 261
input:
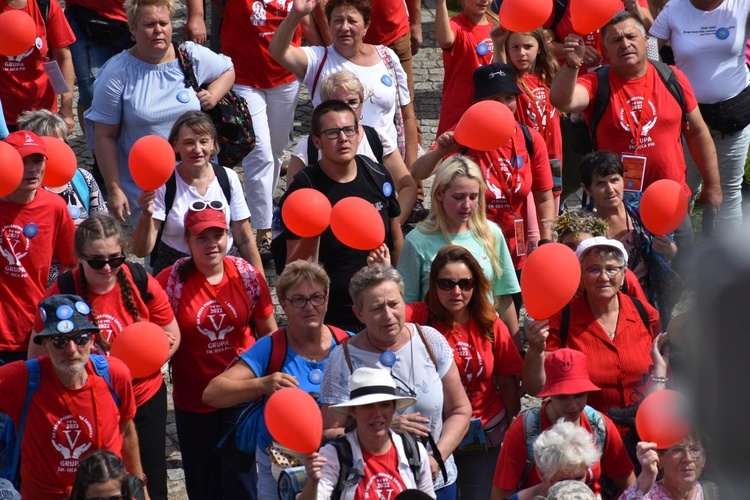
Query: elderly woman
pixel 419 359
pixel 307 342
pixel 388 105
pixel 681 465
pixel 614 330
pixel 386 470
pixel 567 388
pixel 141 91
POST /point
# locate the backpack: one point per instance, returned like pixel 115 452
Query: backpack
pixel 67 285
pixel 372 139
pixel 171 191
pixel 12 439
pixel 565 318
pixel 78 183
pixel 237 447
pixel 348 474
pixel 532 428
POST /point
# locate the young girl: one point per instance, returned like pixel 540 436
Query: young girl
pixel 116 300
pixel 101 475
pixel 466 43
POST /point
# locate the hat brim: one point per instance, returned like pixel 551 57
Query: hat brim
pixel 199 227
pixel 568 387
pixel 582 253
pixel 54 333
pixel 401 402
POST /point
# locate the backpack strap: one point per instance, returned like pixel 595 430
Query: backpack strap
pixel 140 278
pixel 532 427
pixel 44 9
pixel 346 465
pixel 528 140
pixel 669 78
pixel 317 77
pixel 101 368
pixel 66 284
pixel 598 425
pixel 373 139
pixel 641 311
pixel 411 450
pixel 278 351
pixel 340 335
pixel 169 193
pixel 312 151
pixel 601 101
pixel 564 324
pixel 81 189
pixel 559 7
pixel 32 385
pixel 427 345
pixel 347 356
pixel 223 178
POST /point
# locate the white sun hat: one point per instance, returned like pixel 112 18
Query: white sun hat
pixel 601 241
pixel 372 385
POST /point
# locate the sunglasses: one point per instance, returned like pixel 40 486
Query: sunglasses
pixel 62 341
pixel 98 264
pixel 200 205
pixel 447 284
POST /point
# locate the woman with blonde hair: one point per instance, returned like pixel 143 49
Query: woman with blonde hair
pixel 457 216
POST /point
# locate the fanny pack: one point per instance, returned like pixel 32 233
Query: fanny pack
pixel 728 116
pixel 97 28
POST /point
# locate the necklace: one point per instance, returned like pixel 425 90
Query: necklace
pixel 304 353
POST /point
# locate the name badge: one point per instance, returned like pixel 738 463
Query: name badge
pixel 56 78
pixel 635 172
pixel 520 237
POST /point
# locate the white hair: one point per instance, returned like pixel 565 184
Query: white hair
pixel 565 447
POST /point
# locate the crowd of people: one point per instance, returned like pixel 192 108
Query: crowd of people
pixel 416 351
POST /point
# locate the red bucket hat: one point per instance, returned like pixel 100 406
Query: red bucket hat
pixel 567 373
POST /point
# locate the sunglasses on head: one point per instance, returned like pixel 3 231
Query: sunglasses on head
pixel 447 284
pixel 100 263
pixel 199 205
pixel 62 341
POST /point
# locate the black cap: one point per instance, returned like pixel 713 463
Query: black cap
pixel 64 314
pixel 493 79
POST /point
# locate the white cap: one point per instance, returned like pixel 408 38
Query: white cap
pixel 601 241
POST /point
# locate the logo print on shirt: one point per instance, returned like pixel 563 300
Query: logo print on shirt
pixel 14 246
pixel 71 440
pixel 636 111
pixel 259 14
pixel 214 322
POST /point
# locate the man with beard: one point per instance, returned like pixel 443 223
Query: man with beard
pixel 82 402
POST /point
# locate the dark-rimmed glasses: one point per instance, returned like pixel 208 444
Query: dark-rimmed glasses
pixel 334 133
pixel 62 341
pixel 98 264
pixel 447 284
pixel 610 271
pixel 299 301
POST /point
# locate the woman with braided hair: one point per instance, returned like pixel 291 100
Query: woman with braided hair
pixel 119 295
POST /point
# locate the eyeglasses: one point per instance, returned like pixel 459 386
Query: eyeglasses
pixel 610 271
pixel 62 341
pixel 679 451
pixel 447 284
pixel 98 264
pixel 333 133
pixel 402 387
pixel 199 205
pixel 299 302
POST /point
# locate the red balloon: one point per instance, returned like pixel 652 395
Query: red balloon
pixel 61 162
pixel 357 224
pixel 11 172
pixel 143 347
pixel 18 32
pixel 661 418
pixel 294 420
pixel 664 205
pixel 550 279
pixel 306 212
pixel 524 15
pixel 151 162
pixel 485 126
pixel 590 15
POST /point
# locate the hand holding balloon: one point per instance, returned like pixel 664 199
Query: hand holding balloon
pixel 660 418
pixel 294 420
pixel 143 347
pixel 151 162
pixel 550 279
pixel 485 126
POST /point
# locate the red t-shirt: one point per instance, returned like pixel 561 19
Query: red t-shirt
pixel 112 316
pixel 111 9
pixel 382 479
pixel 476 359
pixel 389 21
pixel 23 83
pixel 31 236
pixel 512 460
pixel 635 289
pixel 661 122
pixel 459 62
pixel 58 433
pixel 246 33
pixel 211 336
pixel 535 111
pixel 617 366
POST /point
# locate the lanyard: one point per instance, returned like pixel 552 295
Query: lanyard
pixel 543 114
pixel 73 409
pixel 452 333
pixel 234 278
pixel 636 127
pixel 508 189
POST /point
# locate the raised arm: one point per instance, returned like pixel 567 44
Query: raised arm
pixel 292 58
pixel 426 165
pixel 143 239
pixel 443 32
pixel 565 94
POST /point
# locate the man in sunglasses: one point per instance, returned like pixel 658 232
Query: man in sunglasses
pixel 81 402
pixel 34 227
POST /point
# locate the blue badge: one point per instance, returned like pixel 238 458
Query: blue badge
pixel 482 49
pixel 388 359
pixel 387 189
pixel 630 184
pixel 74 212
pixel 183 96
pixel 387 80
pixel 43 314
pixel 315 376
pixel 64 312
pixel 722 33
pixel 30 230
pixel 517 161
pixel 83 308
pixel 65 326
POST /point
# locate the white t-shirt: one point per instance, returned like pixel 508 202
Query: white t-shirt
pixel 174 230
pixel 364 149
pixel 709 47
pixel 379 107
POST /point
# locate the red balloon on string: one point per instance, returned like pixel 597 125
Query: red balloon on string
pixel 357 224
pixel 151 162
pixel 306 212
pixel 661 419
pixel 11 173
pixel 143 347
pixel 294 420
pixel 524 15
pixel 664 205
pixel 590 15
pixel 485 126
pixel 61 162
pixel 550 279
pixel 19 32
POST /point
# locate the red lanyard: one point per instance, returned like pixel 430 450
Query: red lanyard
pixel 467 327
pixel 543 114
pixel 234 278
pixel 636 127
pixel 73 409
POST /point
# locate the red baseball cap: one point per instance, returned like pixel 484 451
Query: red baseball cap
pixel 567 372
pixel 197 221
pixel 27 143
